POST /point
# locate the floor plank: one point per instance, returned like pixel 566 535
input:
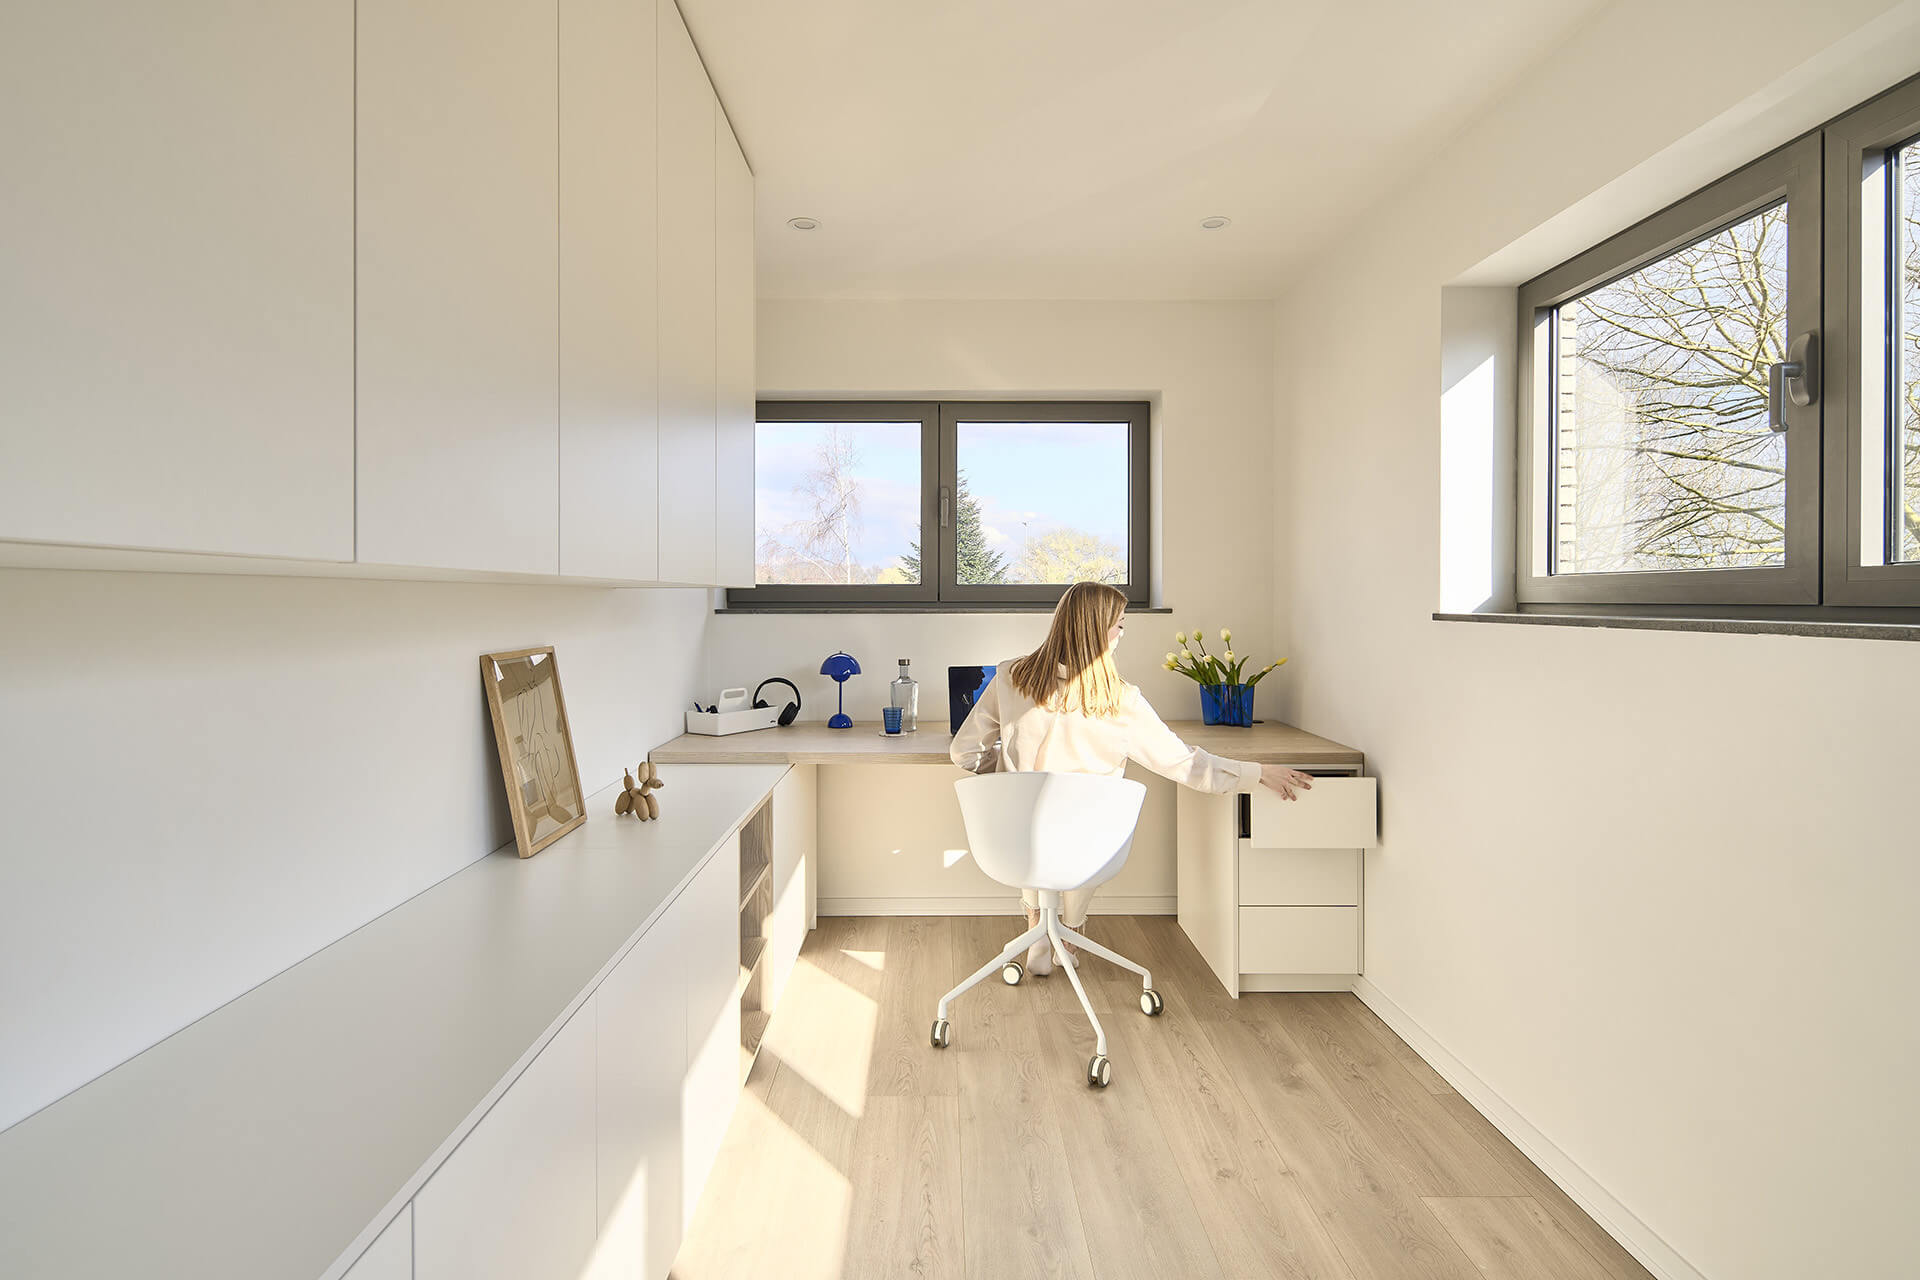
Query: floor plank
pixel 905 1182
pixel 1138 1215
pixel 1376 1220
pixel 1402 1052
pixel 918 971
pixel 1603 1248
pixel 1015 1187
pixel 1407 1123
pixel 1513 1238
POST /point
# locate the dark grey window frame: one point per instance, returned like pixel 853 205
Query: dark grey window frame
pixel 1791 174
pixel 1861 371
pixel 939 481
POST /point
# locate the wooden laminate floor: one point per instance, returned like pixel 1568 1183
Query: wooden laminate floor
pixel 1278 1135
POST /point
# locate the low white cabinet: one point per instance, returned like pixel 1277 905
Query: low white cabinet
pixel 642 1009
pixel 709 913
pixel 516 1197
pixel 1271 890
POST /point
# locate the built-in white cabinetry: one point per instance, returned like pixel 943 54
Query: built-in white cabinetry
pixel 443 285
pixel 642 1009
pixel 795 812
pixel 390 1256
pixel 516 1198
pixel 1270 890
pixel 176 276
pixel 609 320
pixel 733 300
pixel 458 285
pixel 708 914
pixel 687 367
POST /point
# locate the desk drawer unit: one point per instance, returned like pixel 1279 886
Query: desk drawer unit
pixel 1300 881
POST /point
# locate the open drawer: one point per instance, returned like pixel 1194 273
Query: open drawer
pixel 1339 813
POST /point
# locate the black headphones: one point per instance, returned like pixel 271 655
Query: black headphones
pixel 788 714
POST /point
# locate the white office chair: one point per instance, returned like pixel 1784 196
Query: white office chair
pixel 1051 832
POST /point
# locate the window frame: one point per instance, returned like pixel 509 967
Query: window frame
pixel 1793 174
pixel 939 482
pixel 1861 333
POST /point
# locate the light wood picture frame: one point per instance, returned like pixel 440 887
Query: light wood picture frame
pixel 531 733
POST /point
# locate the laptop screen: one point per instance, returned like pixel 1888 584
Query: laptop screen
pixel 963 690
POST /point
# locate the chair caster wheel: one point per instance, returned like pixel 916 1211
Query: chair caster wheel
pixel 942 1033
pixel 1150 1003
pixel 1012 974
pixel 1099 1071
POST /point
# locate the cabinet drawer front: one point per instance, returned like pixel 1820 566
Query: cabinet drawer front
pixel 1299 939
pixel 1300 877
pixel 1339 813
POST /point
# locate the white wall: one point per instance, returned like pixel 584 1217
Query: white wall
pixel 210 778
pixel 1208 368
pixel 1654 889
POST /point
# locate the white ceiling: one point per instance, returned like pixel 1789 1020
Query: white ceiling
pixel 1069 148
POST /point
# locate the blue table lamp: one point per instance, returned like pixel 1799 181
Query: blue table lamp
pixel 840 666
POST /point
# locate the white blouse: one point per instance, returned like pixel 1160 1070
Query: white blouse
pixel 1006 732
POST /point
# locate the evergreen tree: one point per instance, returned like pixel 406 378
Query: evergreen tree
pixel 975 563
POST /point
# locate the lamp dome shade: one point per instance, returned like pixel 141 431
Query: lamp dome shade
pixel 840 666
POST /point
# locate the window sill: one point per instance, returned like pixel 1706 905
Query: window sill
pixel 1831 630
pixel 1036 607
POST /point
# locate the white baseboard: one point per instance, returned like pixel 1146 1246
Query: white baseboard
pixel 1007 904
pixel 1639 1239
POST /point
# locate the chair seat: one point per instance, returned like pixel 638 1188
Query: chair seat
pixel 1050 831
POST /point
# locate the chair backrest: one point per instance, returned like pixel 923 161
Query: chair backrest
pixel 1050 830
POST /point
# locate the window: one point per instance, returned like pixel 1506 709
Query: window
pixel 1665 458
pixel 947 503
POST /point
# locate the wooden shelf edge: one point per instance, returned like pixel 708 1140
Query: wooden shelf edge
pixel 760 877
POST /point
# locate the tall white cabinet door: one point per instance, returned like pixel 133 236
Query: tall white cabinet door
pixel 516 1197
pixel 176 275
pixel 390 1256
pixel 733 301
pixel 709 923
pixel 687 373
pixel 642 1009
pixel 459 284
pixel 609 459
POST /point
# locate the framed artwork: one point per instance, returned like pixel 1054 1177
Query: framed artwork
pixel 536 747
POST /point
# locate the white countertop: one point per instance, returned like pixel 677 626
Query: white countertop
pixel 275 1135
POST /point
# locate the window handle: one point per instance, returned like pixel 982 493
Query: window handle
pixel 945 498
pixel 1797 378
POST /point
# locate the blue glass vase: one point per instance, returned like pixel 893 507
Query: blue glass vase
pixel 1226 704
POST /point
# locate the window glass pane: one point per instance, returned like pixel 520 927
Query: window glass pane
pixel 1903 447
pixel 837 502
pixel 1663 458
pixel 1040 502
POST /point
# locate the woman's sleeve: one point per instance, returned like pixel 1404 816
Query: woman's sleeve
pixel 1152 744
pixel 976 748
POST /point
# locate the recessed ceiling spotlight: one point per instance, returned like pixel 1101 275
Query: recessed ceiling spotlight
pixel 803 224
pixel 1215 223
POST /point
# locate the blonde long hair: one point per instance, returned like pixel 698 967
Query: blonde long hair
pixel 1077 643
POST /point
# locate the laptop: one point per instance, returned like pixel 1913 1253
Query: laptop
pixel 964 686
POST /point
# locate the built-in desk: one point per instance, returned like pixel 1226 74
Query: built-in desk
pixel 1270 743
pixel 1269 891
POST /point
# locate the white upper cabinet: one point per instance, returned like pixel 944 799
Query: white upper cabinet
pixel 459 286
pixel 390 1256
pixel 609 442
pixel 176 276
pixel 686 257
pixel 733 298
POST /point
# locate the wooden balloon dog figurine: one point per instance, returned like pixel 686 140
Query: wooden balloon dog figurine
pixel 635 799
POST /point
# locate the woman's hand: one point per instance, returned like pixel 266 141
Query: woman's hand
pixel 1288 782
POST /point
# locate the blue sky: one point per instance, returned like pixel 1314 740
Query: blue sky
pixel 1028 477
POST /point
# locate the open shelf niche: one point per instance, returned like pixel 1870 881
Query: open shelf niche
pixel 756 904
